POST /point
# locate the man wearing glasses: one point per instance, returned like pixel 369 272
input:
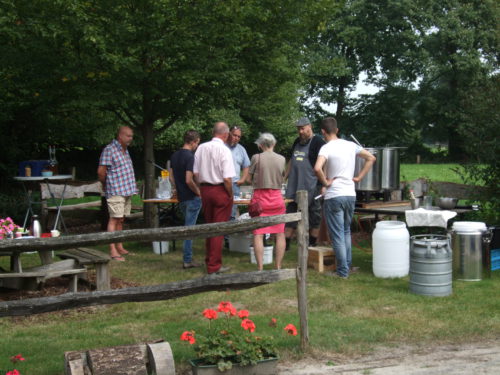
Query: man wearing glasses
pixel 241 162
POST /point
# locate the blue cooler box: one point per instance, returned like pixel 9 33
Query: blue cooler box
pixel 36 167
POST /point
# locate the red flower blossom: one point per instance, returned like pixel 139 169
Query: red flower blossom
pixel 210 314
pixel 188 336
pixel 16 358
pixel 243 314
pixel 13 372
pixel 272 322
pixel 248 325
pixel 226 307
pixel 232 311
pixel 291 330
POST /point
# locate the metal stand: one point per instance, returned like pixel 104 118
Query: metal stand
pixel 58 202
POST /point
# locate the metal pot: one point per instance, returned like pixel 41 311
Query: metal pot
pixel 371 181
pixel 390 168
pixel 471 255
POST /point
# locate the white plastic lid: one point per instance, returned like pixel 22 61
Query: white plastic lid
pixel 469 226
pixel 390 224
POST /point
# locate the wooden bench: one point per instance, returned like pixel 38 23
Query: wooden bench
pixel 31 278
pixel 321 258
pixel 91 258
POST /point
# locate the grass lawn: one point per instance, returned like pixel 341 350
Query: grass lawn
pixel 345 316
pixel 434 172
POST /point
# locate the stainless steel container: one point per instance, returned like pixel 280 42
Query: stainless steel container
pixel 470 244
pixel 389 160
pixel 371 181
pixel 430 265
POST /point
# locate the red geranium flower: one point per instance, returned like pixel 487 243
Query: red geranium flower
pixel 243 314
pixel 272 322
pixel 16 358
pixel 291 330
pixel 13 372
pixel 248 325
pixel 188 336
pixel 226 307
pixel 210 314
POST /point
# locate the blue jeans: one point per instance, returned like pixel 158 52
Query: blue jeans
pixel 236 193
pixel 190 209
pixel 338 214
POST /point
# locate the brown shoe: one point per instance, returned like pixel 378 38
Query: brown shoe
pixel 190 265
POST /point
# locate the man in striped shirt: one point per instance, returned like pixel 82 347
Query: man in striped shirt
pixel 116 173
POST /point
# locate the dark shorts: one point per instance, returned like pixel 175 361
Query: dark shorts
pixel 314 211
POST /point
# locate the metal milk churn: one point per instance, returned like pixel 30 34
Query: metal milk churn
pixel 430 265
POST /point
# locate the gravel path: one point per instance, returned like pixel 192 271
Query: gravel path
pixel 466 359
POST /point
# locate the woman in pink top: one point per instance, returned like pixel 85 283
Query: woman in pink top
pixel 266 176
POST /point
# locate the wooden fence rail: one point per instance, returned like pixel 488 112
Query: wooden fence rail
pixel 144 293
pixel 146 235
pixel 177 289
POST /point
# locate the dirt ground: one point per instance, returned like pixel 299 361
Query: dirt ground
pixel 464 359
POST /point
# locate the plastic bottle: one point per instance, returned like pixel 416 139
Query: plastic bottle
pixel 164 187
pixel 36 227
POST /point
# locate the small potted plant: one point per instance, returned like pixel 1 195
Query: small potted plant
pixel 7 228
pixel 231 344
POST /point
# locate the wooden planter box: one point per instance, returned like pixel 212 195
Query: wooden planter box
pixel 264 367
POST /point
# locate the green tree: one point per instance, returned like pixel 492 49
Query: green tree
pixel 461 44
pixel 378 38
pixel 157 62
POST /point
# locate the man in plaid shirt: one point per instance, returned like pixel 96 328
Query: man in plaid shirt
pixel 116 173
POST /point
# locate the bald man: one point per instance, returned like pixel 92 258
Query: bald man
pixel 116 173
pixel 213 170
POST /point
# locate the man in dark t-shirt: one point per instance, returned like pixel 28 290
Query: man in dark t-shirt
pixel 300 176
pixel 188 192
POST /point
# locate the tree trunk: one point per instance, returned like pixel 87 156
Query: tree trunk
pixel 150 209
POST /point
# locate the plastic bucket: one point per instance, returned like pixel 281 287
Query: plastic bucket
pixel 391 249
pixel 160 247
pixel 240 242
pixel 266 259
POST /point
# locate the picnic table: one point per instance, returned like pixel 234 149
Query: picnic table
pixel 74 263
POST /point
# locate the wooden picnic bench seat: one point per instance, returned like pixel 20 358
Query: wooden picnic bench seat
pixel 31 278
pixel 91 258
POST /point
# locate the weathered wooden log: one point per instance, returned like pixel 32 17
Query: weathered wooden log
pixel 144 293
pixel 139 359
pixel 146 235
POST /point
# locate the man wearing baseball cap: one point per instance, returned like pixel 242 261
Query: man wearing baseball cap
pixel 301 176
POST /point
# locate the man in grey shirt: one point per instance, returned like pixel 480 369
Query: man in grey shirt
pixel 301 176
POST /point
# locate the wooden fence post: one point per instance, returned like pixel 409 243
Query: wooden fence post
pixel 302 246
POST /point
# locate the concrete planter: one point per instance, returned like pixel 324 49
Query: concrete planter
pixel 264 367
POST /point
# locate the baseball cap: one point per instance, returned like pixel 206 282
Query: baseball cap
pixel 303 122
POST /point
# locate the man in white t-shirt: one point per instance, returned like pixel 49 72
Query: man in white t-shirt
pixel 338 159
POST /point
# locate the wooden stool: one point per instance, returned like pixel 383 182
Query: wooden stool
pixel 321 258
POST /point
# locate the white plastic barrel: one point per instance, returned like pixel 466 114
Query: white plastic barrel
pixel 266 259
pixel 391 249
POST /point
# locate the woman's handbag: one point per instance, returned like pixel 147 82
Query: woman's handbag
pixel 255 208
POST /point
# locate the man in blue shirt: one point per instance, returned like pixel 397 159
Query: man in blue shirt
pixel 240 160
pixel 188 192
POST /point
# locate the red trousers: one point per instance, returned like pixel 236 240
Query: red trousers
pixel 216 205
